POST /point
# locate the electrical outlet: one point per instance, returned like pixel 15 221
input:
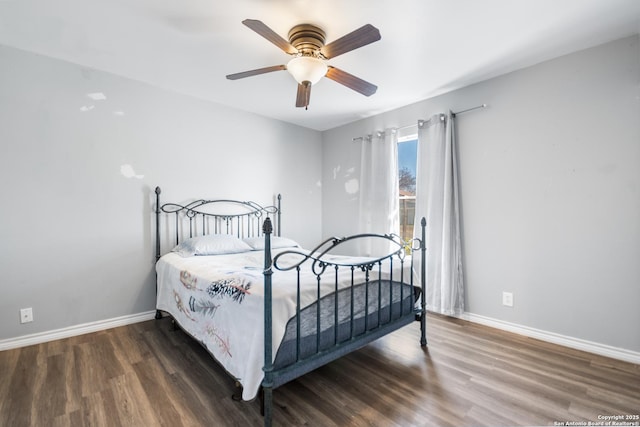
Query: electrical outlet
pixel 507 299
pixel 26 315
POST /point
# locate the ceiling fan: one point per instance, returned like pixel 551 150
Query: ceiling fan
pixel 308 65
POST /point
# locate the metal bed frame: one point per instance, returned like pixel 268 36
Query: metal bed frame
pixel 201 220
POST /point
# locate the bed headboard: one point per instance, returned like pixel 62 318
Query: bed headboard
pixel 221 216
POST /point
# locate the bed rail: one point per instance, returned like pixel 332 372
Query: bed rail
pixel 353 329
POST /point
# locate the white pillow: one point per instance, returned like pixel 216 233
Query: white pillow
pixel 257 243
pixel 211 244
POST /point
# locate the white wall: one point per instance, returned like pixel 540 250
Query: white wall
pixel 550 180
pixel 75 233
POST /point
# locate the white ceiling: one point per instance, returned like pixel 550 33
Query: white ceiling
pixel 428 47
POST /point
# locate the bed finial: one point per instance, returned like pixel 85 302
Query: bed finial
pixel 267 227
pixel 158 191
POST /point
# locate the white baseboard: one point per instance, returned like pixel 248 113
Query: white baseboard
pixel 75 330
pixel 576 343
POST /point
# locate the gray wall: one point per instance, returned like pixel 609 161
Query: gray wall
pixel 550 179
pixel 76 232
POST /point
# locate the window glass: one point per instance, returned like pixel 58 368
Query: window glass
pixel 407 163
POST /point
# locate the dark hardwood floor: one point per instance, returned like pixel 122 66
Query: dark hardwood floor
pixel 148 374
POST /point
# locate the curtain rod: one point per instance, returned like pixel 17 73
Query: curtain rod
pixel 459 112
pixel 415 124
pixel 360 138
pixel 420 122
pixel 471 109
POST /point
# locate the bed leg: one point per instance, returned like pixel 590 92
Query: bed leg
pixel 261 397
pixel 423 330
pixel 267 401
pixel 237 394
pixel 158 315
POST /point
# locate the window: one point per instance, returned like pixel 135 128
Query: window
pixel 407 163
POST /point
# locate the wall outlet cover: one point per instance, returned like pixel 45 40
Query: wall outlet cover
pixel 26 315
pixel 507 299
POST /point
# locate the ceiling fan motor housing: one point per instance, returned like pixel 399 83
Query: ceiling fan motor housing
pixel 307 38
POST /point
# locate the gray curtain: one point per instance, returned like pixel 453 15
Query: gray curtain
pixel 379 192
pixel 437 199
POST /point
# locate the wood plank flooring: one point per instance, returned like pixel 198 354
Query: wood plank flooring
pixel 148 374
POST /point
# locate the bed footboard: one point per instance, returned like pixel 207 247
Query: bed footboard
pixel 348 317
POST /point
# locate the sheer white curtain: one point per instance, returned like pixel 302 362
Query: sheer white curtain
pixel 437 199
pixel 379 193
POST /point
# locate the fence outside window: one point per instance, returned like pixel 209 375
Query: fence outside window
pixel 407 214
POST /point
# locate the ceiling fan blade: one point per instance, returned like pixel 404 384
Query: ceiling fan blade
pixel 266 32
pixel 250 73
pixel 304 95
pixel 351 81
pixel 355 39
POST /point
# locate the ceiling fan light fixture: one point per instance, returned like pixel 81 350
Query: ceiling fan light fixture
pixel 307 69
